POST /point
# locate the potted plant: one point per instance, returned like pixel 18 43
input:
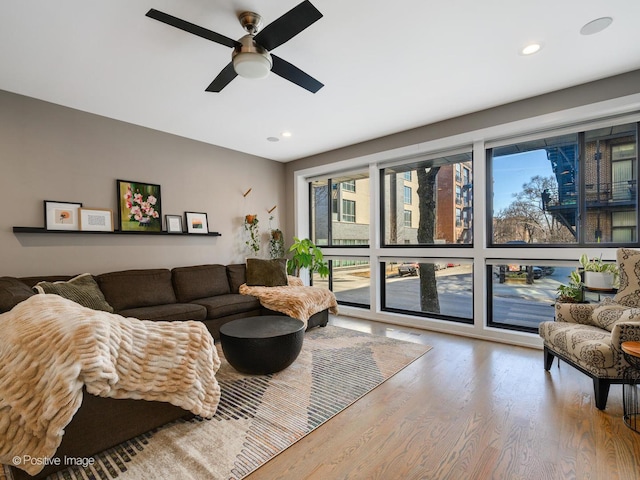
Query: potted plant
pixel 251 226
pixel 306 255
pixel 276 243
pixel 598 275
pixel 573 291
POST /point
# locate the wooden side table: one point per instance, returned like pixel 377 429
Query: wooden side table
pixel 631 385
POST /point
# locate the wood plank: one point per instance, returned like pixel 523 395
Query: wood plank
pixel 468 409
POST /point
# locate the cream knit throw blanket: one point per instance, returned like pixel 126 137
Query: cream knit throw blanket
pixel 51 347
pixel 294 299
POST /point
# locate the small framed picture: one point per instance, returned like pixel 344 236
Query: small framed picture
pixel 96 220
pixel 61 215
pixel 174 223
pixel 196 222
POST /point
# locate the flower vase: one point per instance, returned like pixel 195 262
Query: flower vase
pixel 145 221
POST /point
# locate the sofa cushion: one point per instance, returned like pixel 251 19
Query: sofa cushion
pixel 201 281
pixel 609 313
pixel 170 312
pixel 267 273
pixel 82 289
pixel 237 275
pixel 12 292
pixel 588 346
pixel 31 281
pixel 629 270
pixel 137 288
pixel 230 304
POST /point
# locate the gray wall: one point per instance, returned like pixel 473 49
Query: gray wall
pixel 49 152
pixel 588 93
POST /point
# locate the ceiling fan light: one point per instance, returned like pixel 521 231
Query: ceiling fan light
pixel 251 65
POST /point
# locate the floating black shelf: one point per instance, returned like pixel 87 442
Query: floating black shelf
pixel 115 232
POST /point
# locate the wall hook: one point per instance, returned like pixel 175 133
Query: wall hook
pixel 246 193
pixel 274 207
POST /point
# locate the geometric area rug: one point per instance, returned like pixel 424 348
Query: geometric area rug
pixel 259 416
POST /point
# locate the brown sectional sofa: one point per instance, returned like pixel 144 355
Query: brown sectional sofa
pixel 208 293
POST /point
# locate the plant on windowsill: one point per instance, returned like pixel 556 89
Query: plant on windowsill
pixel 306 255
pixel 573 291
pixel 598 275
pixel 251 226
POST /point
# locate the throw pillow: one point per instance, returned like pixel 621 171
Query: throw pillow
pixel 608 313
pixel 629 270
pixel 12 292
pixel 267 273
pixel 82 289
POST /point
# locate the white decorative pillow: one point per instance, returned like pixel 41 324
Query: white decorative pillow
pixel 629 269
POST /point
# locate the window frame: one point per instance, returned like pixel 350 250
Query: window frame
pixel 481 139
pixel 352 206
pixel 579 130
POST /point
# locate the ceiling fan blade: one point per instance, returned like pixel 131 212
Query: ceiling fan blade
pixel 294 74
pixel 288 25
pixel 191 28
pixel 223 79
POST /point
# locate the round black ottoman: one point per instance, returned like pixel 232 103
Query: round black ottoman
pixel 262 345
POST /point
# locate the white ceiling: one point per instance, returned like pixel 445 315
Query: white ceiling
pixel 387 66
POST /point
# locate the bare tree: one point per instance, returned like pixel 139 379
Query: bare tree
pixel 426 232
pixel 527 219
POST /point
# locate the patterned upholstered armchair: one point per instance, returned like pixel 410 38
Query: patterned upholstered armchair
pixel 588 336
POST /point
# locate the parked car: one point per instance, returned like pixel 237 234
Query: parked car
pixel 408 268
pixel 538 272
pixel 548 270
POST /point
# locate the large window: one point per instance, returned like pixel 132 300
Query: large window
pixel 340 210
pixel 441 202
pixel 429 288
pixel 575 188
pixel 349 281
pixel 522 294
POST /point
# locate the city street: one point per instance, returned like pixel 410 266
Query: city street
pixel 513 303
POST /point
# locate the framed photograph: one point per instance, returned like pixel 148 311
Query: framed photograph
pixel 139 207
pixel 61 215
pixel 196 222
pixel 174 223
pixel 96 220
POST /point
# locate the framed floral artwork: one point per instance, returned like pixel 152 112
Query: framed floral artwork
pixel 139 207
pixel 196 222
pixel 61 215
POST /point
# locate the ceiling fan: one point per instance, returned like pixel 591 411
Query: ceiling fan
pixel 251 57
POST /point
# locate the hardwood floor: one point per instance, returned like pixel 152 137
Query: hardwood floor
pixel 468 409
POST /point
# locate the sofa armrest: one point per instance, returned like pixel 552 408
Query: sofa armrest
pixel 575 312
pixel 625 332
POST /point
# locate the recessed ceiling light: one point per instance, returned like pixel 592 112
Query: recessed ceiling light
pixel 596 25
pixel 273 139
pixel 286 134
pixel 530 49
